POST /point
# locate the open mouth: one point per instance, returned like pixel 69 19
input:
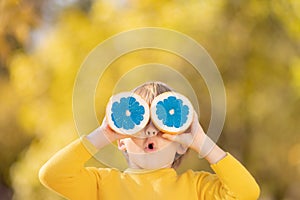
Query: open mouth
pixel 150 147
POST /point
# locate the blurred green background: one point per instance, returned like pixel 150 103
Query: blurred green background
pixel 255 44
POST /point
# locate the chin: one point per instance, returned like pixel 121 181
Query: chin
pixel 154 160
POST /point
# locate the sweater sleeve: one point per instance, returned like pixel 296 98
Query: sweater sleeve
pixel 232 181
pixel 65 172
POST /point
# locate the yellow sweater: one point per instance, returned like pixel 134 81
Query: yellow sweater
pixel 65 173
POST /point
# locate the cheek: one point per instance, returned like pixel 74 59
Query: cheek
pixel 165 142
pixel 137 142
pixel 133 146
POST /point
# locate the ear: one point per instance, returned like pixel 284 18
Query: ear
pixel 181 149
pixel 121 145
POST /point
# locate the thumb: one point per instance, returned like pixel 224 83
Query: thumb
pixel 183 138
pixel 169 137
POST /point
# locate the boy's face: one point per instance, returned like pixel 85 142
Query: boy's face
pixel 152 152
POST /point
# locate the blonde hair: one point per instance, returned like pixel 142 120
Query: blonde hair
pixel 148 91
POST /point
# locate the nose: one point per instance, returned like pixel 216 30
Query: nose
pixel 150 130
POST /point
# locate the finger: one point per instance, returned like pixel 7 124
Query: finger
pixel 196 126
pixel 169 136
pixel 195 116
pixel 183 138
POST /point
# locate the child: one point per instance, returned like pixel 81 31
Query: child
pixel 151 173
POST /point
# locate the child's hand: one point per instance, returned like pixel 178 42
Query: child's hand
pixel 109 133
pixel 103 135
pixel 192 139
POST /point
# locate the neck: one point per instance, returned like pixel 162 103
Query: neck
pixel 133 165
